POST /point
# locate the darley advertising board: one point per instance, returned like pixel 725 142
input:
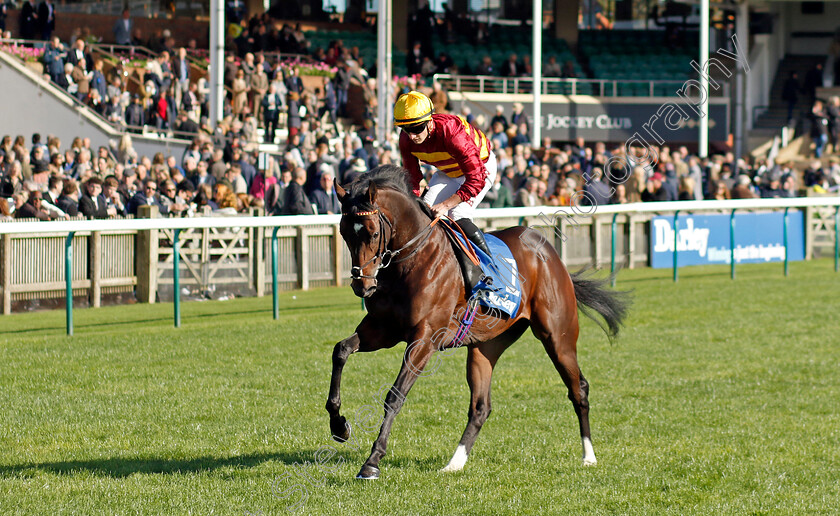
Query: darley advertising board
pixel 704 239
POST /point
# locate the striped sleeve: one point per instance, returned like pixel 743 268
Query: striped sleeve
pixel 463 147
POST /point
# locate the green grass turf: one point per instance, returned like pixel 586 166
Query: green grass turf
pixel 720 398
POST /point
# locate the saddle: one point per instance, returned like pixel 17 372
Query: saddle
pixel 470 269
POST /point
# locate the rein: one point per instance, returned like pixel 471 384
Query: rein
pixel 386 258
pixel 385 255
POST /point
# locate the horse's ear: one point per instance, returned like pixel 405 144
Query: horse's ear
pixel 372 192
pixel 339 191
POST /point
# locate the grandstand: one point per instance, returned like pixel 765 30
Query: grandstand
pixel 635 57
pixel 135 173
pixel 613 82
pixel 364 40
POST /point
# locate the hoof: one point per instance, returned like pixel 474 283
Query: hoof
pixel 368 473
pixel 340 429
pixel 450 469
pixel 590 462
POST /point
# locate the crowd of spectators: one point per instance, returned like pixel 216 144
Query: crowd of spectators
pixel 264 91
pixel 577 173
pixel 167 101
pixel 263 88
pixel 42 179
pixel 171 97
pixel 223 171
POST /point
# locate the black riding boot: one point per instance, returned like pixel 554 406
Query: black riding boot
pixel 472 273
pixel 475 235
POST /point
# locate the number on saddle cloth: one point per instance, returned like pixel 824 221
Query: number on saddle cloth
pixel 504 292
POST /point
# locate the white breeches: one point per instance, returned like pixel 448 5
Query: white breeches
pixel 442 187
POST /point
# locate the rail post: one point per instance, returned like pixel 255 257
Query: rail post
pixel 6 272
pixel 68 280
pixel 274 295
pixel 176 277
pixel 837 239
pixel 676 241
pixel 785 229
pixel 612 249
pixel 732 244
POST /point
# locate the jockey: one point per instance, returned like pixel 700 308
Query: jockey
pixel 462 154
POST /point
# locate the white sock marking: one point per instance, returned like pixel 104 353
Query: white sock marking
pixel 588 453
pixel 456 463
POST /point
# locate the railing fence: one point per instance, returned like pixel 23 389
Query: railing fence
pixel 220 255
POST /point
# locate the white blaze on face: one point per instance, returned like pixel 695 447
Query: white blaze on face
pixel 357 227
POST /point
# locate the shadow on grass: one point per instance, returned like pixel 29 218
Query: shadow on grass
pixel 422 465
pixel 119 467
pixel 268 311
pixel 89 325
pixel 164 319
pixel 668 276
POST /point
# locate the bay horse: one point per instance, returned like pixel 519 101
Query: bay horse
pixel 405 269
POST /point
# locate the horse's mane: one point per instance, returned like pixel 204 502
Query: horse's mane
pixel 383 176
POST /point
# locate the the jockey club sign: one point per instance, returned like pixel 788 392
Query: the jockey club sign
pixel 608 120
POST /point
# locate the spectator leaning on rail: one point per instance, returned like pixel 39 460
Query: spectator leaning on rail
pixel 32 209
pixel 68 201
pixel 146 197
pixel 461 153
pixel 92 205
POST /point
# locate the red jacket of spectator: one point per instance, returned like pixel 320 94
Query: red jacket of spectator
pixel 161 107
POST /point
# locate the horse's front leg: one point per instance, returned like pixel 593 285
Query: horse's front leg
pixel 370 335
pixel 342 350
pixel 416 358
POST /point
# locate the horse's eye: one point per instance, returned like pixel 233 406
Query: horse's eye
pixel 376 234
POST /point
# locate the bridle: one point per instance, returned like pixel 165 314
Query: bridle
pixel 386 256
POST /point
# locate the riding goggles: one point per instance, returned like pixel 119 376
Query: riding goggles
pixel 416 128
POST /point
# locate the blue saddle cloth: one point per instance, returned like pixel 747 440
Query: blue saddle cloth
pixel 505 290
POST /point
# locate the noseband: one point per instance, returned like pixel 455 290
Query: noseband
pixel 386 256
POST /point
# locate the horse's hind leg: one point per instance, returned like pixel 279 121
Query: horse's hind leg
pixel 561 348
pixel 480 363
pixel 481 360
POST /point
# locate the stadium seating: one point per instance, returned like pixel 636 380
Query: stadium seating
pixel 502 42
pixel 634 55
pixel 366 41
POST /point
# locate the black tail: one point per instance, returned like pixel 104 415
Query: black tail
pixel 592 294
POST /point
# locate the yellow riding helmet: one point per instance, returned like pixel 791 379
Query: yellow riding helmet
pixel 413 108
